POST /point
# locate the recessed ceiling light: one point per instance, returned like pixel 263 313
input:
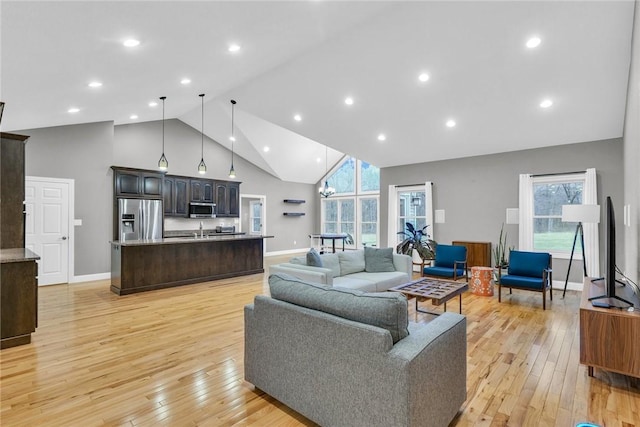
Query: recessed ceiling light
pixel 95 84
pixel 185 81
pixel 451 123
pixel 382 137
pixel 297 117
pixel 546 103
pixel 133 116
pixel 232 138
pixel 265 149
pixel 153 104
pixel 348 100
pixel 131 42
pixel 533 42
pixel 318 159
pixel 73 110
pixel 423 77
pixel 234 47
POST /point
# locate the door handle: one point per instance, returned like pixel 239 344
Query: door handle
pixel 64 237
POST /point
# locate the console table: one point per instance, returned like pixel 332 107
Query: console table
pixel 609 337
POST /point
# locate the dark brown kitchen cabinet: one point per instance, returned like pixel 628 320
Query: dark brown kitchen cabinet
pixel 202 191
pixel 12 187
pixel 227 199
pixel 18 295
pixel 137 183
pixel 175 192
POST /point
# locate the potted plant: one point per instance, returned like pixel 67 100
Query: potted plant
pixel 418 240
pixel 499 252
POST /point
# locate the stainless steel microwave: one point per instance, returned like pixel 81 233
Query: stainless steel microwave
pixel 202 210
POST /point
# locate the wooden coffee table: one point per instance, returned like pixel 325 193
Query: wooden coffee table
pixel 437 290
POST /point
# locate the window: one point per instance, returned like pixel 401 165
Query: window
pixel 550 234
pixel 354 207
pixel 412 208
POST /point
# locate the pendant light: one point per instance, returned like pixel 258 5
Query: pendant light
pixel 163 164
pixel 326 191
pixel 202 167
pixel 232 172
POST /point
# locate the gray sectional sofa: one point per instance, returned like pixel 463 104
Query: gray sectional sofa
pixel 348 358
pixel 358 269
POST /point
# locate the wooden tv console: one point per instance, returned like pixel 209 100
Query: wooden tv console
pixel 609 337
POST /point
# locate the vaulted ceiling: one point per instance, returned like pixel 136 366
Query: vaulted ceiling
pixel 306 57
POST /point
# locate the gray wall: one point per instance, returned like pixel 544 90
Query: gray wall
pixel 631 265
pixel 81 153
pixel 476 191
pixel 86 152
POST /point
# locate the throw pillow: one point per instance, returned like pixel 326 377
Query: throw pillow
pixel 331 262
pixel 378 260
pixel 386 310
pixel 351 261
pixel 313 258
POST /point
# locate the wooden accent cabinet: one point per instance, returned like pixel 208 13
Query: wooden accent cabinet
pixel 478 253
pixel 12 188
pixel 609 337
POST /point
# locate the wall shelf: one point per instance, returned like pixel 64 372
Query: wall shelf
pixel 293 213
pixel 294 201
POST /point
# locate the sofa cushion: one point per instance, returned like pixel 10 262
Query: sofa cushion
pixel 386 310
pixel 378 260
pixel 332 262
pixel 382 281
pixel 301 260
pixel 313 258
pixel 355 283
pixel 351 261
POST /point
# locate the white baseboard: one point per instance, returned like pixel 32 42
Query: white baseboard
pixel 287 252
pixel 571 286
pixel 90 277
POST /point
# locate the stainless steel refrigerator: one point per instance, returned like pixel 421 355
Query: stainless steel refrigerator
pixel 139 219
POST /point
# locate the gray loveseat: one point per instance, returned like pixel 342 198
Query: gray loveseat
pixel 347 358
pixel 358 269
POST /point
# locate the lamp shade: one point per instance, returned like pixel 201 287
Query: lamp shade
pixel 581 213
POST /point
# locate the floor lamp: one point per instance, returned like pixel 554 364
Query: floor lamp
pixel 581 214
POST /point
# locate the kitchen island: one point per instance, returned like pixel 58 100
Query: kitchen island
pixel 144 265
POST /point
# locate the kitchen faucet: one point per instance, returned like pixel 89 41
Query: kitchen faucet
pixel 201 230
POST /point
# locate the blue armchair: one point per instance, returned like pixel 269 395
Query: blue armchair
pixel 530 271
pixel 450 262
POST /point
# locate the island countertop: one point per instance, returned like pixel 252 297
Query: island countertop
pixel 180 240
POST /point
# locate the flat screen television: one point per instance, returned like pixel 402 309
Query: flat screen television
pixel 609 298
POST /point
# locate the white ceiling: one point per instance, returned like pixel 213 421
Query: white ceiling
pixel 305 57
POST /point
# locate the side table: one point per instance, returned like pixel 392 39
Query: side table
pixel 481 282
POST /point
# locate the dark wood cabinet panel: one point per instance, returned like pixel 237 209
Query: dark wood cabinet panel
pixel 176 196
pixel 227 199
pixel 12 187
pixel 19 302
pixel 202 191
pixel 135 183
pixel 222 208
pixel 151 184
pixel 233 190
pixel 139 268
pixel 127 183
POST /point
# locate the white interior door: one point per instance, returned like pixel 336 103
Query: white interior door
pixel 47 227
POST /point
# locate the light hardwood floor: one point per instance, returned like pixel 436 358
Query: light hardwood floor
pixel 175 357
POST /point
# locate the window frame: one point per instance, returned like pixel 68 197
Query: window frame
pixel 555 179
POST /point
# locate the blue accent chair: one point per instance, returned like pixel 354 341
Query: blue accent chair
pixel 450 262
pixel 530 271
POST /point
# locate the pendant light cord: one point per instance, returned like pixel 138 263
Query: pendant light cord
pixel 202 129
pixel 163 98
pixel 233 138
